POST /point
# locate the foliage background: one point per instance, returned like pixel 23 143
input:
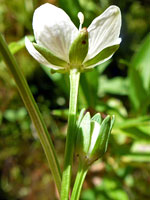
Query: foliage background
pixel 120 86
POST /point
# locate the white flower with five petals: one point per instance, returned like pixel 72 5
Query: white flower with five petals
pixel 55 34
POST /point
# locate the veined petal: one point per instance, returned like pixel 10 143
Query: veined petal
pixel 31 49
pixel 54 30
pixel 104 31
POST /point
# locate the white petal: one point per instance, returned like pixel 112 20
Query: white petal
pixel 104 30
pixel 118 41
pixel 38 56
pixel 54 30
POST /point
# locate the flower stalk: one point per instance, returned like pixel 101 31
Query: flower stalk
pixel 81 174
pixel 74 84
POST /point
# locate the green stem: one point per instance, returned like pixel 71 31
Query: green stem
pixel 81 174
pixel 33 110
pixel 74 84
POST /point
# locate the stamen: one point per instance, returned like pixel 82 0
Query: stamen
pixel 81 19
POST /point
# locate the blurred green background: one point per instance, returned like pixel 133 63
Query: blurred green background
pixel 120 86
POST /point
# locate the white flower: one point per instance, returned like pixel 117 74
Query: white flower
pixel 54 31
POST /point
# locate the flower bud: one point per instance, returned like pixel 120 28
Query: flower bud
pixel 92 136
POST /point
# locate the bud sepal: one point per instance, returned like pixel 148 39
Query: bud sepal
pixel 92 136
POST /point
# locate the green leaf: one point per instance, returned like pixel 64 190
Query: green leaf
pixel 141 61
pixel 33 110
pixel 134 122
pixel 105 53
pixel 88 87
pixel 136 157
pixel 139 76
pixel 14 47
pixel 117 85
pixel 133 132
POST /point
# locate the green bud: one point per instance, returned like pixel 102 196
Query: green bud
pixel 50 57
pixel 92 136
pixel 105 53
pixel 79 49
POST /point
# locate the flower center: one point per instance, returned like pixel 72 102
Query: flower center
pixel 81 19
